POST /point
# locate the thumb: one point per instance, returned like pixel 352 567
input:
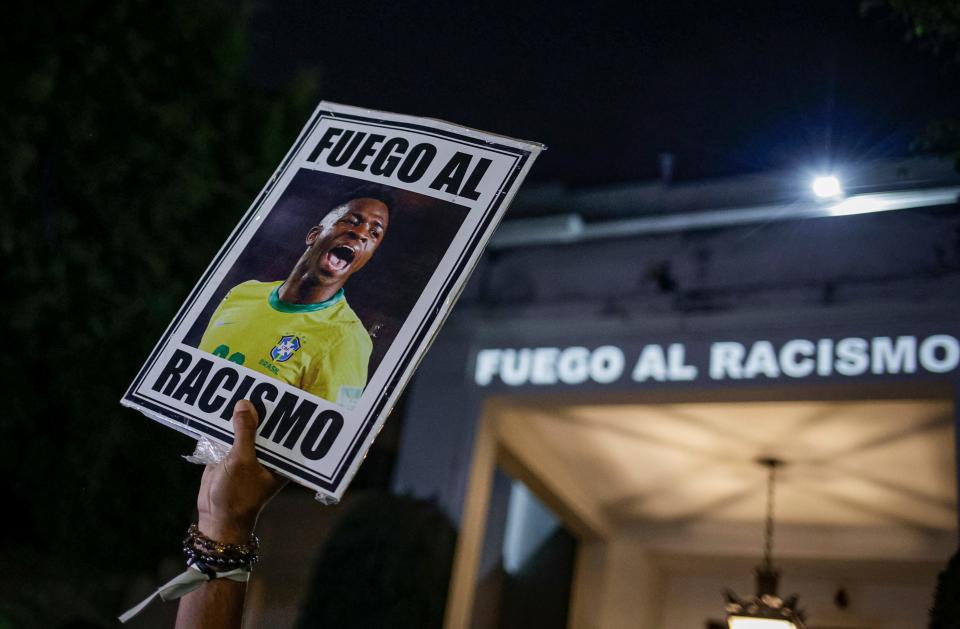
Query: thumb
pixel 244 429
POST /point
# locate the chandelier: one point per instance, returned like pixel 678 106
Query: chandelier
pixel 766 610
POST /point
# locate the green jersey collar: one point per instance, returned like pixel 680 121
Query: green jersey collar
pixel 282 306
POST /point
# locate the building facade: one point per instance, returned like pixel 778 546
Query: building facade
pixel 623 356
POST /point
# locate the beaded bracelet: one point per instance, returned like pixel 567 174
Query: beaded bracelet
pixel 198 548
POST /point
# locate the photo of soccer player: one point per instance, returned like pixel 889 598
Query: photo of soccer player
pixel 283 309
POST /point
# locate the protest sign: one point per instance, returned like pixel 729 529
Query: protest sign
pixel 285 317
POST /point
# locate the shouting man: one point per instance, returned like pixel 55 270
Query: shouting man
pixel 301 330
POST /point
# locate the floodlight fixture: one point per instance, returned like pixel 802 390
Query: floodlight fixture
pixel 827 187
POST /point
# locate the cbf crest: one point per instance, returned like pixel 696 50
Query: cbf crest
pixel 284 349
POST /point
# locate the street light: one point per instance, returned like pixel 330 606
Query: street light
pixel 827 187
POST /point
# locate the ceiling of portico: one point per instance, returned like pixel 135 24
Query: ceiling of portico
pixel 877 463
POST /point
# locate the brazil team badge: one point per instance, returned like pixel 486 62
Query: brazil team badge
pixel 285 348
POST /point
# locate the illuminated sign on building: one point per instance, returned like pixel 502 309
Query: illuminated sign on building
pixel 797 358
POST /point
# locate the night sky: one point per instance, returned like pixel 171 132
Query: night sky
pixel 729 87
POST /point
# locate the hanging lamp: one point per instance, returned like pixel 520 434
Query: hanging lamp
pixel 766 610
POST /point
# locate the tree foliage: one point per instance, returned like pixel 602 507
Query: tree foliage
pixel 131 143
pixel 945 613
pixel 933 25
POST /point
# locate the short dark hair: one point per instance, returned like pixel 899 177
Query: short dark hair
pixel 375 191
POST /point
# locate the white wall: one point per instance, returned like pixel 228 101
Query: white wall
pixel 617 586
pixel 624 583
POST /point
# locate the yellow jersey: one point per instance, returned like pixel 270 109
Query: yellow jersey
pixel 320 348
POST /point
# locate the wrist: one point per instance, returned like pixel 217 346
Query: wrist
pixel 226 531
pixel 213 556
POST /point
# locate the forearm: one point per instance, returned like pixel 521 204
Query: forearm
pixel 217 604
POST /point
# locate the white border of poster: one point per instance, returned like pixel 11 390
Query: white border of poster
pixel 333 440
